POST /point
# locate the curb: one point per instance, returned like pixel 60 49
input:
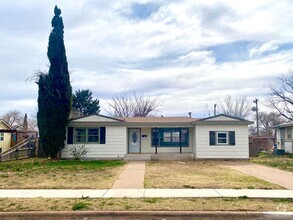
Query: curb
pixel 91 215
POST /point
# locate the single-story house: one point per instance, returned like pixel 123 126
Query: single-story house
pixel 148 138
pixel 284 137
pixel 5 137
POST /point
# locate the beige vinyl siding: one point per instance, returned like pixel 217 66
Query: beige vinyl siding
pixel 146 144
pixel 288 145
pixel 221 118
pixel 279 139
pixel 282 141
pixel 204 150
pixel 95 118
pixel 115 147
pixel 6 144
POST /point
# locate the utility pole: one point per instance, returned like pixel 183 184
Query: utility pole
pixel 255 109
pixel 215 109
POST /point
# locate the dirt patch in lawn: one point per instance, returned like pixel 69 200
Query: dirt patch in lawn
pixel 54 174
pixel 199 174
pixel 150 204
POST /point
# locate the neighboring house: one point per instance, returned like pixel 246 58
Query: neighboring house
pixel 284 137
pixel 261 144
pixel 220 136
pixel 5 137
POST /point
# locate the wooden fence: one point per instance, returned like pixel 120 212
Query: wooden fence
pixel 22 150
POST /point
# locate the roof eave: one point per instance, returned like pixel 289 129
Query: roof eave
pixel 7 125
pixel 228 116
pixel 244 122
pixel 104 116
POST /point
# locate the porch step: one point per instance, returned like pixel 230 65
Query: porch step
pixel 173 156
pixel 133 157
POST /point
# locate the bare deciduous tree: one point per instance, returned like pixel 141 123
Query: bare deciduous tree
pixel 15 119
pixel 207 110
pixel 268 120
pixel 281 96
pixel 238 107
pixel 133 105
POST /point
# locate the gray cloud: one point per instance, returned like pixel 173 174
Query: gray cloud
pixel 173 53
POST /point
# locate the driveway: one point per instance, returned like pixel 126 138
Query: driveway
pixel 269 174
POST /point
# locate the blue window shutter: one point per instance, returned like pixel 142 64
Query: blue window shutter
pixel 155 137
pixel 186 143
pixel 102 135
pixel 70 135
pixel 231 137
pixel 212 138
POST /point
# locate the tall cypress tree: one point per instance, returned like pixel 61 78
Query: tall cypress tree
pixel 55 92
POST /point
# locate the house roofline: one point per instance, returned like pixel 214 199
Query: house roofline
pixel 129 124
pixel 4 122
pixel 196 121
pixel 229 116
pixel 284 125
pixel 95 114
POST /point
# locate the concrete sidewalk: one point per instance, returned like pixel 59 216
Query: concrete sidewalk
pixel 132 177
pixel 145 193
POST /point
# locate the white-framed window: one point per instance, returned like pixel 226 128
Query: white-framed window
pixel 167 137
pixel 93 135
pixel 1 137
pixel 86 135
pixel 175 136
pixel 222 137
pixel 289 133
pixel 170 137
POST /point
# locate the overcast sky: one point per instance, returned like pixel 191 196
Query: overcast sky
pixel 189 53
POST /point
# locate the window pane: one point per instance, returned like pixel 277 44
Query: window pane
pixel 80 135
pixel 93 139
pixel 222 141
pixel 80 139
pixel 93 135
pixel 93 131
pixel 1 136
pixel 80 131
pixel 167 137
pixel 222 135
pixel 184 135
pixel 175 136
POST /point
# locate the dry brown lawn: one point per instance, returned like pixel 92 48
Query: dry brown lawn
pixel 53 174
pixel 199 174
pixel 198 204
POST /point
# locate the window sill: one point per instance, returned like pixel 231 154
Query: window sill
pixel 171 146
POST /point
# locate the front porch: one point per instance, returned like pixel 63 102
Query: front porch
pixel 160 140
pixel 159 156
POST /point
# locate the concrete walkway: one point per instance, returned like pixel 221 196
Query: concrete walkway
pixel 273 175
pixel 132 177
pixel 145 193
